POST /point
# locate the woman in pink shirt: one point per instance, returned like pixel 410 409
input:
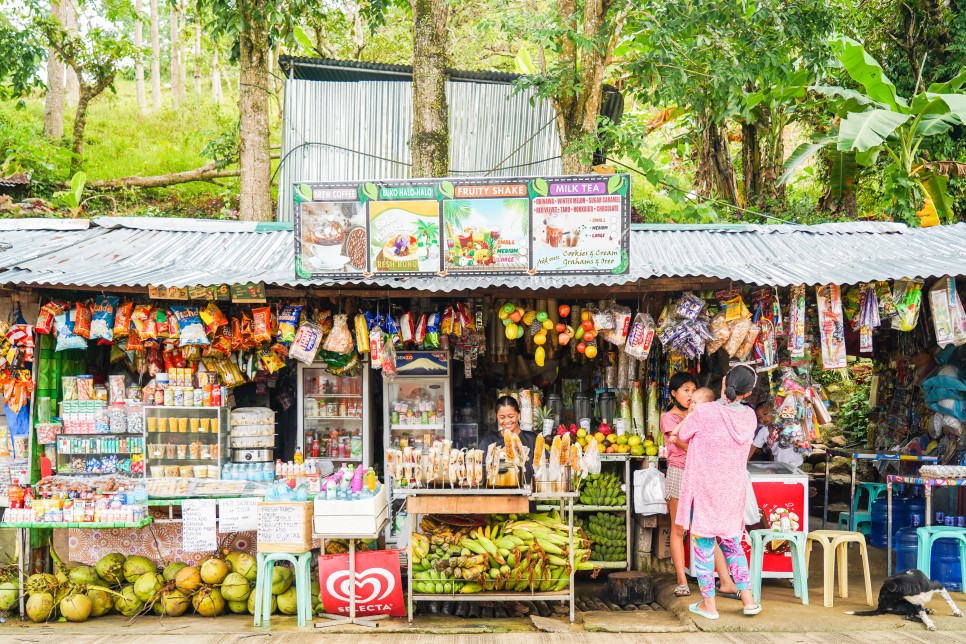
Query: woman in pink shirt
pixel 682 386
pixel 718 436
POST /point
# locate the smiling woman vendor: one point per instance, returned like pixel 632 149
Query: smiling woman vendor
pixel 508 418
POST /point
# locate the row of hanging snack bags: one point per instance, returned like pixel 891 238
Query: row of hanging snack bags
pixel 153 338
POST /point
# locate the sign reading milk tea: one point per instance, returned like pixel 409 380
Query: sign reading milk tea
pixel 479 226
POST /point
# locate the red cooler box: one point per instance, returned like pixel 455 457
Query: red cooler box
pixel 782 494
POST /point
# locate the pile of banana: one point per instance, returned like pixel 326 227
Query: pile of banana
pixel 514 553
pixel 602 489
pixel 608 536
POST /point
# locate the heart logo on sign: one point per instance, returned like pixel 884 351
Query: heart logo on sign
pixel 379 580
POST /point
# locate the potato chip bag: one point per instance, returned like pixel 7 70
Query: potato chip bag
pixel 288 323
pixel 45 319
pixel 161 323
pixel 190 324
pixel 262 325
pixel 213 318
pixel 82 320
pixel 236 334
pixel 122 320
pixel 102 320
pixel 66 339
pixel 143 320
pixel 270 360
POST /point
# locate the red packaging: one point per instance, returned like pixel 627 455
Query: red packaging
pixel 122 320
pixel 262 325
pixel 45 319
pixel 82 320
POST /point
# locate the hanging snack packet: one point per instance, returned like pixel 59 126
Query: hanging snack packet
pixel 749 342
pixel 288 323
pixel 65 332
pixel 391 327
pixel 307 342
pixel 247 330
pixel 82 320
pixel 446 324
pixel 617 335
pixel 324 320
pixel 420 335
pixel 720 331
pixel 361 329
pixel 122 320
pixel 270 360
pixel 143 321
pixel 102 321
pixel 236 334
pixel 134 344
pixel 173 358
pixel 261 325
pixel 161 323
pixel 407 329
pixel 387 361
pixel 45 319
pixel 740 328
pixel 431 339
pixel 689 306
pixel 174 330
pixel 377 339
pixel 190 325
pixel 339 339
pixel 907 295
pixel 213 318
pixel 640 337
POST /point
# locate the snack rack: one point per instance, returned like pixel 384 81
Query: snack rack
pixel 185 442
pixel 98 440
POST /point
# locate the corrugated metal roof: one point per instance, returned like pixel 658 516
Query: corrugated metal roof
pixel 133 253
pixel 333 70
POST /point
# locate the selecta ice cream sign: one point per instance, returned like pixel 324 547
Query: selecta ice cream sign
pixel 524 226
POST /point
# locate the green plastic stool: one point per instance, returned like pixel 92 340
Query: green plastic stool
pixel 302 563
pixel 931 534
pixel 862 519
pixel 799 570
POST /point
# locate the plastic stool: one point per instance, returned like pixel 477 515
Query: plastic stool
pixel 930 535
pixel 835 546
pixel 302 563
pixel 862 519
pixel 799 568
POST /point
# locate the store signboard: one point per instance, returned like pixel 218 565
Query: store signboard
pixel 199 532
pixel 481 226
pixel 238 515
pixel 377 585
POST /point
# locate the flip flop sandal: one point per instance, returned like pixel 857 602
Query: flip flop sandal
pixel 682 591
pixel 734 595
pixel 752 611
pixel 697 611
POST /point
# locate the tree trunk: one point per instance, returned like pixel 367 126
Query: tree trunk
pixel 631 587
pixel 216 90
pixel 175 52
pixel 751 164
pixel 253 103
pixel 715 172
pixel 80 122
pixel 773 157
pixel 430 143
pixel 54 101
pixel 183 55
pixel 155 57
pixel 197 54
pixel 73 84
pixel 206 172
pixel 138 60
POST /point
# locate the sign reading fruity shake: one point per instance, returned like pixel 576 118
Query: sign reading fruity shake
pixel 578 224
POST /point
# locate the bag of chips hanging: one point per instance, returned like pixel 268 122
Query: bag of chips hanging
pixel 361 332
pixel 324 320
pixel 617 335
pixel 134 343
pixel 261 325
pixel 288 323
pixel 247 330
pixel 47 315
pixel 377 338
pixel 236 334
pixel 307 342
pixel 191 328
pixel 387 361
pixel 122 320
pixel 270 360
pixel 66 339
pixel 102 321
pixel 82 320
pixel 407 329
pixel 339 339
pixel 143 320
pixel 220 342
pixel 213 318
pixel 161 323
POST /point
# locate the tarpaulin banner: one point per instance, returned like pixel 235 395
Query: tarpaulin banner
pixel 378 584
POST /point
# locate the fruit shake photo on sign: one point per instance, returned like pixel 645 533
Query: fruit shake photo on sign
pixel 486 235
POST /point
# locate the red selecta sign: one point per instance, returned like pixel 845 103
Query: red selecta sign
pixel 378 584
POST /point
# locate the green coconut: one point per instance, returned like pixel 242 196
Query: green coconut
pixel 214 571
pixel 288 601
pixel 41 583
pixel 238 608
pixel 171 570
pixel 111 568
pixel 128 603
pixel 83 576
pixel 282 578
pixel 136 566
pixel 39 607
pixel 76 607
pixel 61 577
pixel 251 604
pixel 148 585
pixel 173 602
pixel 101 602
pixel 236 587
pixel 208 602
pixel 188 580
pixel 9 594
pixel 244 563
pixel 316 595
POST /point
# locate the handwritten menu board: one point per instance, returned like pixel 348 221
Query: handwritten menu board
pixel 199 532
pixel 477 226
pixel 238 515
pixel 284 526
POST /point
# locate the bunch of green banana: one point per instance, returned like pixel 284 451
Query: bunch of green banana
pixel 602 489
pixel 608 536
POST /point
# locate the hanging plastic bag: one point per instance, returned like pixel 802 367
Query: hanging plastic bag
pixel 387 361
pixel 948 318
pixel 340 338
pixel 649 492
pixel 640 337
pixel 907 295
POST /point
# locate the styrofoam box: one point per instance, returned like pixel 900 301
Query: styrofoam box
pixel 372 506
pixel 349 525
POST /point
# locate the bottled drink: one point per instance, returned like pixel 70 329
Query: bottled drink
pixel 371 480
pixel 298 456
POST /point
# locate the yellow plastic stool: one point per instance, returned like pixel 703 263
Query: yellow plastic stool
pixel 835 547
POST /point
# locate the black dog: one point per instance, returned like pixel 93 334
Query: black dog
pixel 907 594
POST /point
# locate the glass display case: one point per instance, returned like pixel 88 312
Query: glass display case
pixel 185 442
pixel 99 439
pixel 333 415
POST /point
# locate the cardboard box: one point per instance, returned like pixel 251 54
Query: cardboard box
pixel 662 542
pixel 285 526
pixel 371 506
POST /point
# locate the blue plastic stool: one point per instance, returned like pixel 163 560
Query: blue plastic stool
pixel 930 535
pixel 799 570
pixel 302 563
pixel 862 519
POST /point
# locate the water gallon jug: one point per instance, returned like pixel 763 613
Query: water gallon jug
pixel 900 519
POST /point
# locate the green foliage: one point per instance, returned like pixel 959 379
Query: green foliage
pixel 24 149
pixel 73 199
pixel 21 59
